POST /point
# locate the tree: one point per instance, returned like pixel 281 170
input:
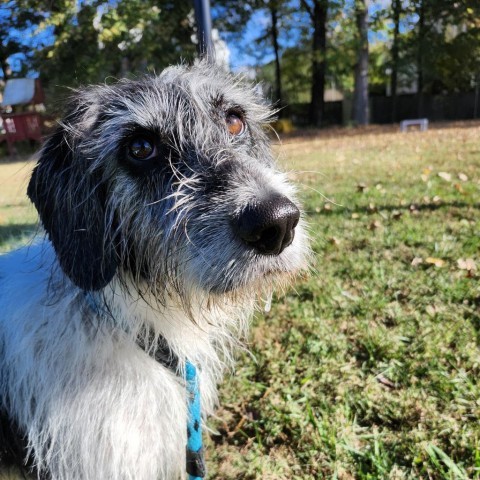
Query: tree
pixel 273 32
pixel 96 39
pixel 318 13
pixel 420 54
pixel 18 21
pixel 360 110
pixel 396 12
pixel 296 75
pixel 444 45
pixel 235 16
pixel 452 33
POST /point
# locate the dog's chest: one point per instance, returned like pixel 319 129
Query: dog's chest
pixel 102 407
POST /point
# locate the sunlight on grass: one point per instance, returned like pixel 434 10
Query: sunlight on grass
pixel 368 369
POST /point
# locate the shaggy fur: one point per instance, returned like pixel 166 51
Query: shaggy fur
pixel 134 250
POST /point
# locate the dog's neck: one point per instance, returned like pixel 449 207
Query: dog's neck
pixel 208 332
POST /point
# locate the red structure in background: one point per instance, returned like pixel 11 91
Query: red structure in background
pixel 25 125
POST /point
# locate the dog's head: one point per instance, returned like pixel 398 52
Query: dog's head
pixel 170 181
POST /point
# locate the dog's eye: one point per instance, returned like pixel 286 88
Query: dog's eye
pixel 141 148
pixel 235 124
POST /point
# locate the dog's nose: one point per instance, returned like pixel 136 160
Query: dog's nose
pixel 268 225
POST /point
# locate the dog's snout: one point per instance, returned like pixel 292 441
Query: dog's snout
pixel 268 226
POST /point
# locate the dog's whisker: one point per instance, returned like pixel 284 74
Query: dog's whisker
pixel 327 199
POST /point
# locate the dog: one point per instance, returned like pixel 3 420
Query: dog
pixel 167 223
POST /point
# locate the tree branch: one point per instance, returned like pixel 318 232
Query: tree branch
pixel 307 7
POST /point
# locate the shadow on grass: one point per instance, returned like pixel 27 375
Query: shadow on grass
pixel 12 234
pixel 399 208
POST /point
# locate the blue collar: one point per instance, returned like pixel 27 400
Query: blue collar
pixel 195 458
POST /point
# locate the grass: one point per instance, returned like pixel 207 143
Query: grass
pixel 369 368
pixel 17 216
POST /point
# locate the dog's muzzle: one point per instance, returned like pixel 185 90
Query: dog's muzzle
pixel 268 226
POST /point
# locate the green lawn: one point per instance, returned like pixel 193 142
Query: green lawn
pixel 369 368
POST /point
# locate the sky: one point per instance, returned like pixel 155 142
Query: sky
pixel 241 57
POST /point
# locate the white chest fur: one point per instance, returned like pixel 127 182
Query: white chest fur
pixel 93 404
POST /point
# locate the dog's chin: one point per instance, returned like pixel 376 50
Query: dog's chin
pixel 261 284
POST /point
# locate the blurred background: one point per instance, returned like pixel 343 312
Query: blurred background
pixel 325 62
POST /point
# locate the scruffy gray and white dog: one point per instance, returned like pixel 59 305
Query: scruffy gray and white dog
pixel 167 222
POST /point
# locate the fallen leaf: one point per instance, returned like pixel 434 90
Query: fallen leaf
pixel 458 187
pixel 349 295
pixel 436 199
pixel 446 176
pixel 417 261
pixel 467 264
pixel 385 381
pixel 327 206
pixel 462 177
pixel 355 215
pixel 374 225
pixel 427 171
pixel 372 207
pixel 438 262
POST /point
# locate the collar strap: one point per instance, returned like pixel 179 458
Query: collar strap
pixel 162 352
pixel 195 458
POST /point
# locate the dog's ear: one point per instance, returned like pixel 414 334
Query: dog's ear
pixel 70 196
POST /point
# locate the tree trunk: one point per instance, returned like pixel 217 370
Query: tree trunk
pixel 319 63
pixel 276 49
pixel 5 68
pixel 421 36
pixel 397 7
pixel 360 94
pixel 125 66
